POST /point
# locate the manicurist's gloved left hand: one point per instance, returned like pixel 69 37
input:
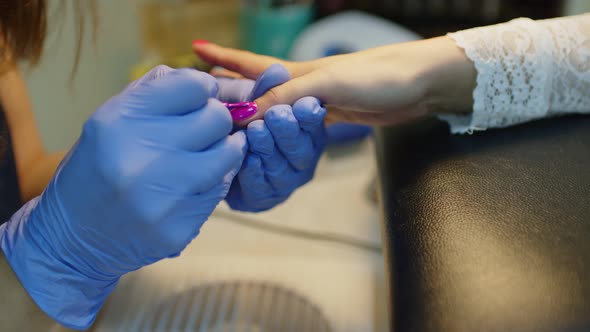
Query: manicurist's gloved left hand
pixel 284 148
pixel 150 166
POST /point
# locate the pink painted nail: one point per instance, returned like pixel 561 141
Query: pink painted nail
pixel 200 42
pixel 242 111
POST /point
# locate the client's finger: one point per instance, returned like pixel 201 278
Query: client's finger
pixel 222 72
pixel 245 63
pixel 288 93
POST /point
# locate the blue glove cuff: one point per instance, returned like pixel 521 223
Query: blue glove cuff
pixel 62 292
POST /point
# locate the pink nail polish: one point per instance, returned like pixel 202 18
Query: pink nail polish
pixel 242 111
pixel 200 42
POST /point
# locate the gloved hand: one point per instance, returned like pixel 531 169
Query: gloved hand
pixel 150 166
pixel 284 149
pixel 235 89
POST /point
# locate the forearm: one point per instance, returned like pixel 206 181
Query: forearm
pixel 450 76
pixel 18 312
pixel 34 165
pixel 29 280
pixel 439 69
pixel 526 70
pixel 39 174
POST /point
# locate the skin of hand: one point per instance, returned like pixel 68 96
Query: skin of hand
pixel 381 86
pixel 35 166
pixel 284 149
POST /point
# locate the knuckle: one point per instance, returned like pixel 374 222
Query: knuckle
pixel 274 96
pixel 261 142
pixel 150 214
pixel 155 73
pixel 264 150
pixel 111 165
pixel 161 68
pixel 278 114
pixel 202 83
pixel 308 107
pixel 159 71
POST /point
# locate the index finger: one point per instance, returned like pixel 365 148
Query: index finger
pixel 243 62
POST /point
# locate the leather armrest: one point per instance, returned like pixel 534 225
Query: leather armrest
pixel 487 232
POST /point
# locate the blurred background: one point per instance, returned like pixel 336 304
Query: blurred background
pixel 315 260
pixel 134 32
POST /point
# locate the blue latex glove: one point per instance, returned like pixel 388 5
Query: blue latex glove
pixel 236 90
pixel 284 149
pixel 150 166
pixel 283 155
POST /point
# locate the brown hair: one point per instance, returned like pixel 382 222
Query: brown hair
pixel 23 27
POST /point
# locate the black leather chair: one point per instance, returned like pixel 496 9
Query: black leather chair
pixel 487 232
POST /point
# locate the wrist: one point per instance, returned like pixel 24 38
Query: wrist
pixel 56 286
pixel 449 77
pixel 18 311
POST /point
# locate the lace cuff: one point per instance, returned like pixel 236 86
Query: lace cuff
pixel 526 70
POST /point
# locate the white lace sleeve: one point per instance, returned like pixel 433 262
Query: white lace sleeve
pixel 526 70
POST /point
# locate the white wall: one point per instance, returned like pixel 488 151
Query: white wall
pixel 573 7
pixel 61 107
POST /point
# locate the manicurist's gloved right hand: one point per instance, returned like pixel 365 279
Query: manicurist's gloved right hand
pixel 150 166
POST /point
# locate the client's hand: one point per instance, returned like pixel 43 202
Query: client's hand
pixel 384 85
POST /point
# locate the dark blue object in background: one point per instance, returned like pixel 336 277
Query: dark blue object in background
pixel 342 133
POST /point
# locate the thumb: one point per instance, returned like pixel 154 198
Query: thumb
pixel 274 76
pixel 239 139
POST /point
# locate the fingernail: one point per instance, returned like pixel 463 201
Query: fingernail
pixel 216 69
pixel 242 111
pixel 200 42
